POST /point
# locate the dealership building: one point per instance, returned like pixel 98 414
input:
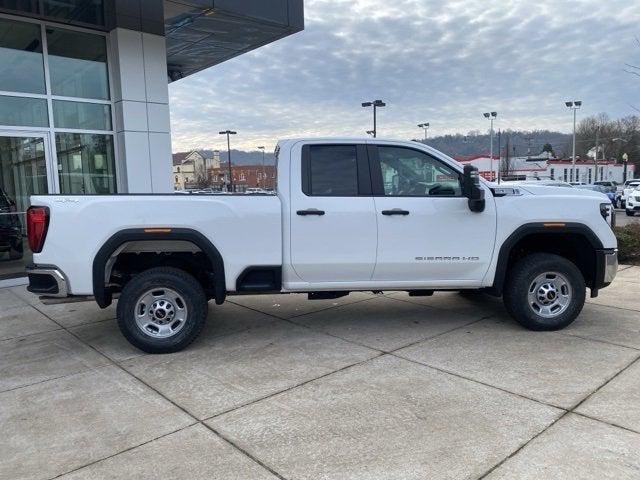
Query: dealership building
pixel 84 103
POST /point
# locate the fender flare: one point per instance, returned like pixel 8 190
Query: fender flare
pixel 531 229
pixel 103 295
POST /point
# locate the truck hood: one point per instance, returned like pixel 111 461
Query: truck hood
pixel 562 191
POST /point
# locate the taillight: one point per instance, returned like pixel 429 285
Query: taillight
pixel 37 224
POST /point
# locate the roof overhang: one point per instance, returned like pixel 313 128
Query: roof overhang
pixel 203 33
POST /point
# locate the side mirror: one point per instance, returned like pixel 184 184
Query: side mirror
pixel 471 188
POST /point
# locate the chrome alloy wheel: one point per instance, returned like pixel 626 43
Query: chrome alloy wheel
pixel 549 294
pixel 161 312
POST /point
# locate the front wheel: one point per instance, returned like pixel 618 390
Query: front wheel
pixel 629 213
pixel 544 292
pixel 162 310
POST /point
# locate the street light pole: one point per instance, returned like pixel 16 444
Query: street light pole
pixel 264 180
pixel 375 104
pixel 625 157
pixel 491 116
pixel 575 105
pixel 228 133
pixel 596 157
pixel 426 128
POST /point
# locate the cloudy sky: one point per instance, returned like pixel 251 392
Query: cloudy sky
pixel 443 62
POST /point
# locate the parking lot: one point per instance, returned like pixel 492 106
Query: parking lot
pixel 623 219
pixel 366 386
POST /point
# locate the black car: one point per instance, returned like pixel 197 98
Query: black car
pixel 10 228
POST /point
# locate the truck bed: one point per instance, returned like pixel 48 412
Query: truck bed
pixel 246 229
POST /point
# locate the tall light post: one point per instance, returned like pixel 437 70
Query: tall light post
pixel 228 133
pixel 491 116
pixel 375 104
pixel 264 179
pixel 425 126
pixel 625 158
pixel 575 106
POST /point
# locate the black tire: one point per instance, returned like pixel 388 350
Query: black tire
pixel 190 292
pixel 521 277
pixel 629 214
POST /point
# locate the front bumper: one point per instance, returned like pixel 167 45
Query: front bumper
pixel 606 269
pixel 47 280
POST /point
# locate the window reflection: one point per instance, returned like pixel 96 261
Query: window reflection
pixel 21 57
pixel 410 173
pixel 80 115
pixel 85 163
pixel 77 64
pixel 334 170
pixel 90 12
pixel 23 172
pixel 81 11
pixel 23 112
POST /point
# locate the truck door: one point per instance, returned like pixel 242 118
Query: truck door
pixel 426 232
pixel 332 216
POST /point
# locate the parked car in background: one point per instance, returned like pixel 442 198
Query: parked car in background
pixel 256 191
pixel 632 205
pixel 546 183
pixel 10 228
pixel 599 188
pixel 629 186
pixel 609 185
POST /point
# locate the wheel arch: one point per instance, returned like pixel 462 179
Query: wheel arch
pixel 103 294
pixel 534 234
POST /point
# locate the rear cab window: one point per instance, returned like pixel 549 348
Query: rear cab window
pixel 335 170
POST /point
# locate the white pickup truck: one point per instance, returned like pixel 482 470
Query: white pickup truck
pixel 348 215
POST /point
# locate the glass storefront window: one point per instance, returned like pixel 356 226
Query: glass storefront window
pixel 85 163
pixel 84 116
pixel 88 12
pixel 81 11
pixel 25 6
pixel 21 57
pixel 23 112
pixel 23 172
pixel 77 64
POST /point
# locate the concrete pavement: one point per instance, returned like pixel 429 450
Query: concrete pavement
pixel 362 387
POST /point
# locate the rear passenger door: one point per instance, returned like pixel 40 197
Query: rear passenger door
pixel 333 219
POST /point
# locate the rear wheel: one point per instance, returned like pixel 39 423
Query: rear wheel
pixel 629 213
pixel 544 292
pixel 162 310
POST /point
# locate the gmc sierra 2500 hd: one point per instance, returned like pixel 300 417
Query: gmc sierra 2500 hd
pixel 349 215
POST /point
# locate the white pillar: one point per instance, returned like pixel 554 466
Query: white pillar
pixel 141 102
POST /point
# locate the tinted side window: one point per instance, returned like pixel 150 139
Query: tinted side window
pixel 332 170
pixel 408 172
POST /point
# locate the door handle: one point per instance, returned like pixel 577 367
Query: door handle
pixel 310 211
pixel 395 211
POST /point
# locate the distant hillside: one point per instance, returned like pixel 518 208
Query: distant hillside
pixel 525 143
pixel 474 143
pixel 239 157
